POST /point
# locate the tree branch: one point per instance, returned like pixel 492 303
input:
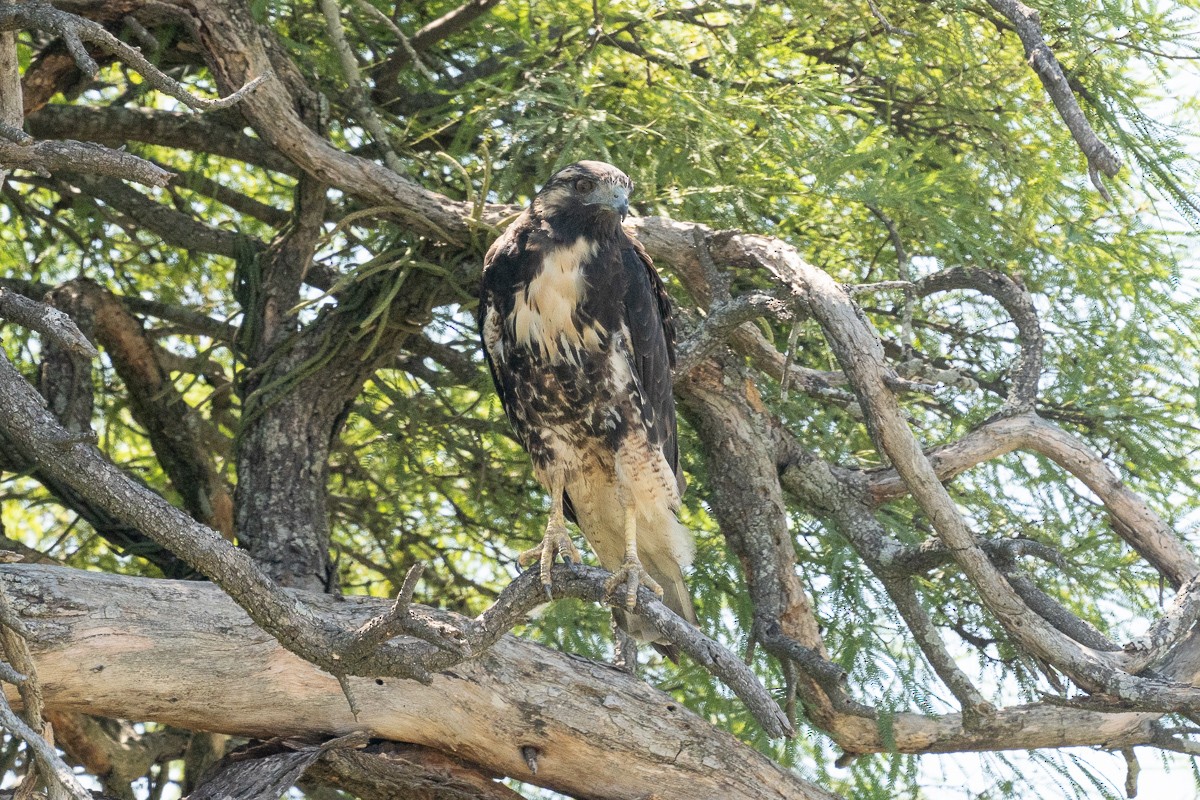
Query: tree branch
pixel 722 319
pixel 48 157
pixel 320 641
pixel 31 726
pixel 75 30
pixel 1050 72
pixel 11 111
pixel 47 321
pixel 219 133
pixel 579 715
pixel 1133 519
pixel 1027 369
pixel 156 405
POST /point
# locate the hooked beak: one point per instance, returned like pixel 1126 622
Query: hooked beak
pixel 611 195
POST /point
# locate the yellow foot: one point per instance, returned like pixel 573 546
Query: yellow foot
pixel 556 542
pixel 631 575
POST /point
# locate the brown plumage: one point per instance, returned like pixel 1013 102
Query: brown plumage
pixel 578 334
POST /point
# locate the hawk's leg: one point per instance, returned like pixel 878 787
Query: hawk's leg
pixel 555 542
pixel 632 573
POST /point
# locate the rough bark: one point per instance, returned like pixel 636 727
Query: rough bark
pixel 11 114
pixel 183 653
pixel 302 381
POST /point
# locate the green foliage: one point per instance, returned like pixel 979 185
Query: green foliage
pixel 783 118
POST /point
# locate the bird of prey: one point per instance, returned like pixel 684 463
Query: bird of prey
pixel 577 330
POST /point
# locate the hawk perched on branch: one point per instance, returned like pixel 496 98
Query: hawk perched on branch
pixel 578 334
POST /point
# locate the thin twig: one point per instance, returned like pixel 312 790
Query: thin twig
pixel 888 27
pixel 405 42
pixel 906 320
pixel 358 95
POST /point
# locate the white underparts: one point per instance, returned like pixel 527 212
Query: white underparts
pixel 543 315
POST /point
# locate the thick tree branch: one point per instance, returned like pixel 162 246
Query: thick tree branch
pixel 49 157
pixel 484 710
pixel 46 320
pixel 748 503
pixel 220 133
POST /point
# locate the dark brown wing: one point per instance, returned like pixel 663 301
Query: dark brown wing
pixel 503 268
pixel 647 314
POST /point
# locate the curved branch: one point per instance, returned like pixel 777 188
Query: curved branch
pixel 1027 368
pixel 723 318
pixel 861 356
pixel 231 40
pixel 1133 519
pixel 75 30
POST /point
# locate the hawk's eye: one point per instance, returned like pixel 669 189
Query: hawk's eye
pixel 585 185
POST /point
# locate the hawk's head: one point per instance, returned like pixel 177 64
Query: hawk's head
pixel 587 193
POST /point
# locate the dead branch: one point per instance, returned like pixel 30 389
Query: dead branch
pixel 721 320
pixel 49 157
pixel 91 631
pixel 218 133
pixel 1027 368
pixel 1133 519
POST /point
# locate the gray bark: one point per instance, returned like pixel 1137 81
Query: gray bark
pixel 183 653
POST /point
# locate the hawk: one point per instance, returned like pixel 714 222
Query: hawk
pixel 577 330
